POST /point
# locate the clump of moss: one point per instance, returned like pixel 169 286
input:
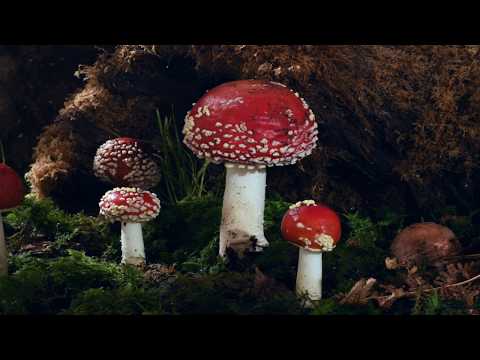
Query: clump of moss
pixel 127 300
pixel 362 251
pixel 37 220
pixel 186 235
pixel 78 284
pixel 206 260
pixel 279 260
pixel 182 230
pixel 221 293
pixel 227 292
pixel 49 285
pixel 434 304
pixel 331 307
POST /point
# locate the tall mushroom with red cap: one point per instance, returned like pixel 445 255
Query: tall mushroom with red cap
pixel 314 228
pixel 249 125
pixel 11 195
pixel 132 207
pixel 124 162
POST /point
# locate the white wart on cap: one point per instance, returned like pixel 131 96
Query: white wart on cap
pixel 251 123
pixel 130 205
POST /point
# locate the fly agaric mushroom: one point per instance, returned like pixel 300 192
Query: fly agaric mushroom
pixel 249 125
pixel 314 228
pixel 132 207
pixel 424 242
pixel 11 195
pixel 123 162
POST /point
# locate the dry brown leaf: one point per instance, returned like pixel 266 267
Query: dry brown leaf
pixel 360 292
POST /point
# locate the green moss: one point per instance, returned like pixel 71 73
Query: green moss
pixel 43 220
pixel 331 307
pixel 122 301
pixel 181 231
pixel 49 285
pixel 227 293
pixel 362 250
pixel 378 230
pixel 344 266
pixel 433 304
pixel 186 234
pixel 279 260
pixel 25 292
pixel 206 261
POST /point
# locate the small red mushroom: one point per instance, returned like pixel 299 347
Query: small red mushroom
pixel 11 195
pixel 249 125
pixel 123 162
pixel 424 242
pixel 132 207
pixel 314 228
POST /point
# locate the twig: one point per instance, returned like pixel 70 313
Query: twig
pixel 406 294
pixel 458 257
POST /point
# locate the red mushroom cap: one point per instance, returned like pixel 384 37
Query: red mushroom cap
pixel 11 188
pixel 132 205
pixel 311 226
pixel 123 162
pixel 251 122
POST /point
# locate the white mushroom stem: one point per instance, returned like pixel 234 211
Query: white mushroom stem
pixel 309 275
pixel 3 250
pixel 243 206
pixel 133 252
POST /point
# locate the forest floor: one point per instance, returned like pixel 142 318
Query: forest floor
pixel 69 263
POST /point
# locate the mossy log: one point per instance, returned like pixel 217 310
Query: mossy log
pixel 398 124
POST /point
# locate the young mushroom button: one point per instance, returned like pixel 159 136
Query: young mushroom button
pixel 123 162
pixel 249 125
pixel 424 243
pixel 11 195
pixel 314 228
pixel 132 207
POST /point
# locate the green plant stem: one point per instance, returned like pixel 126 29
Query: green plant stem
pixel 183 175
pixel 203 172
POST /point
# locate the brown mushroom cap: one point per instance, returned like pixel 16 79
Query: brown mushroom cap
pixel 424 242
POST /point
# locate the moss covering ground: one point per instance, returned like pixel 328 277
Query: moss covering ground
pixel 69 264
